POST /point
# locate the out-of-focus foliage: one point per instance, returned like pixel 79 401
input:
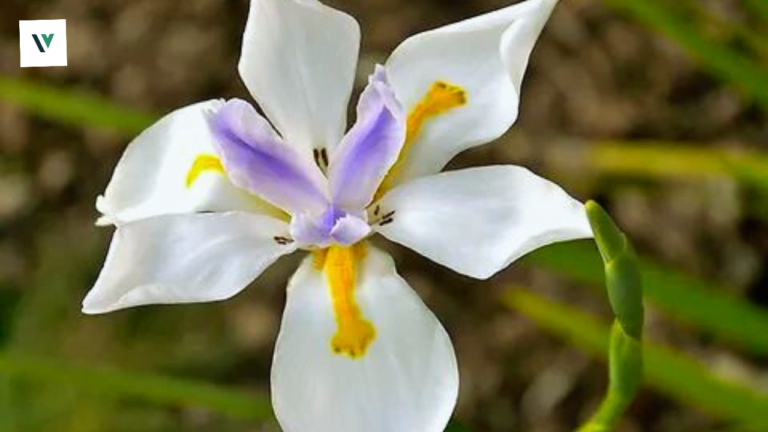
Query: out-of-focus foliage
pixel 682 22
pixel 73 108
pixel 675 374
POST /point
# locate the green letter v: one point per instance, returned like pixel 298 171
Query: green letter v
pixel 47 38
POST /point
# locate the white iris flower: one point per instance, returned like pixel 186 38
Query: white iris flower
pixel 209 196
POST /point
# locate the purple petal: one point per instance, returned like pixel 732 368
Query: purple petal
pixel 370 148
pixel 349 229
pixel 257 159
pixel 306 231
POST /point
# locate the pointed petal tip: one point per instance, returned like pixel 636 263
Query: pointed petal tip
pixel 97 301
pixel 220 118
pixel 89 306
pixel 104 220
pixel 378 83
pixel 379 74
pixel 106 217
pixel 85 310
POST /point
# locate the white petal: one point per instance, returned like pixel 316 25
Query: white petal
pixel 185 259
pixel 487 57
pixel 477 221
pixel 407 381
pixel 298 61
pixel 150 178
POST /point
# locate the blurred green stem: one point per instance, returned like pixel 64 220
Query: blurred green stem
pixel 146 387
pixel 72 108
pixel 703 304
pixel 725 29
pixel 677 160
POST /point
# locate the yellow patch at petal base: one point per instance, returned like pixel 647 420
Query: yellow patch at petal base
pixel 354 333
pixel 440 98
pixel 201 164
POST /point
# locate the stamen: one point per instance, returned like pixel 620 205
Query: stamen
pixel 201 164
pixel 321 158
pixel 354 333
pixel 440 98
pixel 282 240
pixel 324 157
pixel 388 218
pixel 381 219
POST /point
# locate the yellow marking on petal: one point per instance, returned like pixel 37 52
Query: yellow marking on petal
pixel 354 333
pixel 440 98
pixel 203 163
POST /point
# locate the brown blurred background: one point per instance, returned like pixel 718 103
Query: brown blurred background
pixel 596 77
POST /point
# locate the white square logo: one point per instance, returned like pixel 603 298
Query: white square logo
pixel 43 43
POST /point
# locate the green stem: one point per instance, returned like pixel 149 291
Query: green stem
pixel 625 364
pixel 625 294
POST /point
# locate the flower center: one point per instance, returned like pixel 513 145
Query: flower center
pixel 354 333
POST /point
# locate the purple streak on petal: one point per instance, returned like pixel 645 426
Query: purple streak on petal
pixel 371 146
pixel 333 226
pixel 256 159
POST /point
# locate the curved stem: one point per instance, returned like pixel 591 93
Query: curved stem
pixel 625 294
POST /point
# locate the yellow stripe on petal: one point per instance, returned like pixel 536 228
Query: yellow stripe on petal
pixel 354 333
pixel 202 164
pixel 440 98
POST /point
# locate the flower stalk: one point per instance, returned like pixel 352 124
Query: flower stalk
pixel 624 286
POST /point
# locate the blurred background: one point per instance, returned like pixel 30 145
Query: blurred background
pixel 655 108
